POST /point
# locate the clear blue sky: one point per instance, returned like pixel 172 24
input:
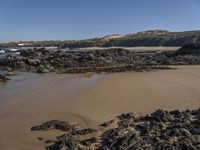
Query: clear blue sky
pixel 80 19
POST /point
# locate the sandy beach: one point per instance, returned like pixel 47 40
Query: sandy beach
pixel 89 99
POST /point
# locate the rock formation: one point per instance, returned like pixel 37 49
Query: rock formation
pixel 159 130
pixel 3 78
pixel 107 60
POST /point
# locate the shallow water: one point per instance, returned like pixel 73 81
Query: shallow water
pixel 19 83
pixel 2 55
pixel 25 83
pixel 31 98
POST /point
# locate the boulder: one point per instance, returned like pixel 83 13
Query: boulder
pixel 42 69
pixel 196 131
pixel 161 115
pixel 190 49
pixel 29 53
pixel 33 62
pixel 3 78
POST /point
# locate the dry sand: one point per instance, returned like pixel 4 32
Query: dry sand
pixel 136 49
pixel 88 100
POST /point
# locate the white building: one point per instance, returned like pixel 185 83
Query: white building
pixel 21 44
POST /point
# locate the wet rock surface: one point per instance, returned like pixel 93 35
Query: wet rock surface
pixel 108 60
pixel 159 130
pixel 3 78
pixel 190 49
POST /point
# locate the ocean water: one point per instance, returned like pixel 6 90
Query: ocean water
pixel 2 55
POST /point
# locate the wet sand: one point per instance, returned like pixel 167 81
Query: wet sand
pixel 31 99
pixel 34 99
pixel 141 93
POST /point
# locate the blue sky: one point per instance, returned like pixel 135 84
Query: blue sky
pixel 80 19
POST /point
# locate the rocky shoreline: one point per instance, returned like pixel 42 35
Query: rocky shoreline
pixel 159 130
pixel 109 60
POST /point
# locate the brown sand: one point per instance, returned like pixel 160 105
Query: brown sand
pixel 136 49
pixel 49 99
pixel 90 100
pixel 141 93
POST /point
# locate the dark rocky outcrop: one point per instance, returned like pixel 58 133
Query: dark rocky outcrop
pixel 3 78
pixel 112 60
pixel 54 124
pixel 42 69
pixel 107 60
pixel 191 49
pixel 159 130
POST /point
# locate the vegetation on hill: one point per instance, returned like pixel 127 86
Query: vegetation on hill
pixel 146 38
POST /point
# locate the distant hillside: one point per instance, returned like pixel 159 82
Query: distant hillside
pixel 112 36
pixel 145 38
pixel 157 38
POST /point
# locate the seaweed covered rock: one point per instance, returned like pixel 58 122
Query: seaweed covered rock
pixel 159 130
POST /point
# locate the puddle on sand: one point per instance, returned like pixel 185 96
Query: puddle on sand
pixel 26 83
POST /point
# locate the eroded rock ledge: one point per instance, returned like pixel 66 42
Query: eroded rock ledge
pixel 107 60
pixel 159 130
